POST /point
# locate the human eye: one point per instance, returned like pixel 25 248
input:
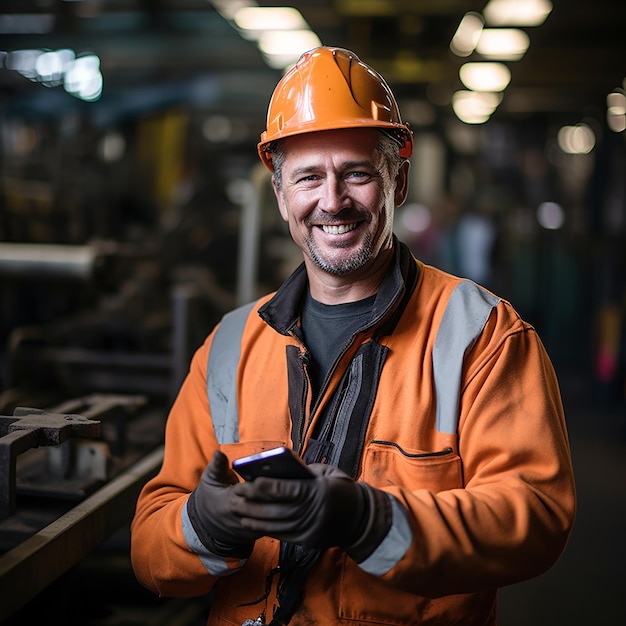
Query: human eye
pixel 307 179
pixel 304 177
pixel 358 175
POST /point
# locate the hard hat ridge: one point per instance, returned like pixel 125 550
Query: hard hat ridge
pixel 331 88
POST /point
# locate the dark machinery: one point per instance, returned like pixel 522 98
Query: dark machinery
pixel 102 372
pixel 64 489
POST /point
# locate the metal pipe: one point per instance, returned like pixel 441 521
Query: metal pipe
pixel 48 260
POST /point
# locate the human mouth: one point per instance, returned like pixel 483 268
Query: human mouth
pixel 338 229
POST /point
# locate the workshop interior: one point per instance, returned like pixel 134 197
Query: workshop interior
pixel 135 212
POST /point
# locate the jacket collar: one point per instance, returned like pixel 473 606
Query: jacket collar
pixel 282 311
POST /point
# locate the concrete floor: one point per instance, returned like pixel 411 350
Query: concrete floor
pixel 587 586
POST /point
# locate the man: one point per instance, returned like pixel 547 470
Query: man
pixel 426 408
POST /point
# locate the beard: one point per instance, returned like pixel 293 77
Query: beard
pixel 342 265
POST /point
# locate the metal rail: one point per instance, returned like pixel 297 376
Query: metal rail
pixel 29 428
pixel 29 568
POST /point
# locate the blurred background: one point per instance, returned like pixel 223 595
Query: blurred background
pixel 134 212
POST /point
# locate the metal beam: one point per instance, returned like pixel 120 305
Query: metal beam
pixel 30 567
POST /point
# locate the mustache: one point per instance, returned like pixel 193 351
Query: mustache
pixel 345 215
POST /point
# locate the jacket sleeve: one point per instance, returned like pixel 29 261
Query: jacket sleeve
pixel 165 556
pixel 511 519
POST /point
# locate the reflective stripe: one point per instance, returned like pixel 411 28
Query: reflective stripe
pixel 215 565
pixel 222 374
pixel 395 544
pixel 465 317
pixel 466 314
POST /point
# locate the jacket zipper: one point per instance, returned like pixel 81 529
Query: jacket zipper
pixel 304 358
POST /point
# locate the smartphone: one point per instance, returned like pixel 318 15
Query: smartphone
pixel 279 462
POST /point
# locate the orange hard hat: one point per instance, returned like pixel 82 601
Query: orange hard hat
pixel 327 89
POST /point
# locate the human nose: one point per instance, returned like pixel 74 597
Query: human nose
pixel 333 196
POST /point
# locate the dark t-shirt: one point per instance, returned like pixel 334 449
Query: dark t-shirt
pixel 327 328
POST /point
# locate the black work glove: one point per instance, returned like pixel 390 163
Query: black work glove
pixel 328 510
pixel 210 510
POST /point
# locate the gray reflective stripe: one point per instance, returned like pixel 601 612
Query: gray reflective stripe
pixel 222 374
pixel 466 314
pixel 395 544
pixel 465 317
pixel 213 564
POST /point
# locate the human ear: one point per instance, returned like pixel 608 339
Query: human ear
pixel 402 184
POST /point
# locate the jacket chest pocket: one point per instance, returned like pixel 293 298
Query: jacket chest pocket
pixel 386 464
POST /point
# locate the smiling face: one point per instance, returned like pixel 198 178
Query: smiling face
pixel 338 196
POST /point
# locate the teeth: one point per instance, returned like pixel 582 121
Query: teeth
pixel 338 230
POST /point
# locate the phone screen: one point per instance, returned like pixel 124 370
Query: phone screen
pixel 275 463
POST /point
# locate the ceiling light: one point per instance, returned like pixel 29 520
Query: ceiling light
pixel 485 76
pixel 229 8
pixel 474 107
pixel 24 62
pixel 283 48
pixel 50 66
pixel 504 44
pixel 517 12
pixel 577 139
pixel 293 42
pixel 467 34
pixel 269 18
pixel 83 78
pixel 616 103
pixel 616 111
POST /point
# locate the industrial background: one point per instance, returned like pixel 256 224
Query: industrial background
pixel 134 212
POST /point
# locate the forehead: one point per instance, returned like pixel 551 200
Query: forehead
pixel 347 144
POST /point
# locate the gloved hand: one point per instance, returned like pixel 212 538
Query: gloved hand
pixel 329 510
pixel 210 510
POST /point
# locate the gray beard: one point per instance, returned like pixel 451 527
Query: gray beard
pixel 345 266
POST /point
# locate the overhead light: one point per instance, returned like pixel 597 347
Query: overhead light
pixel 283 48
pixel 281 33
pixel 578 139
pixel 51 66
pixel 504 44
pixel 616 111
pixel 485 76
pixel 290 42
pixel 474 107
pixel 80 76
pixel 24 62
pixel 83 78
pixel 467 34
pixel 616 103
pixel 228 8
pixel 269 18
pixel 517 12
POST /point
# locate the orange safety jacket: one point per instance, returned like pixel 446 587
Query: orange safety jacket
pixel 464 430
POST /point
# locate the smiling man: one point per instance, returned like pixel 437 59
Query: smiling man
pixel 339 205
pixel 427 410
